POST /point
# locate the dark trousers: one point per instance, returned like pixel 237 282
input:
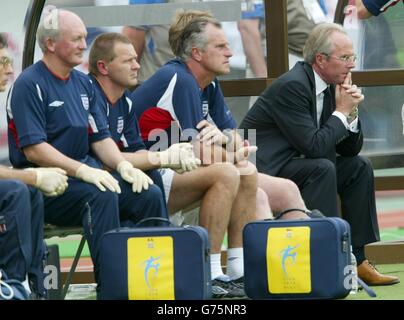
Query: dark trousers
pixel 320 180
pixel 149 203
pixel 84 204
pixel 21 246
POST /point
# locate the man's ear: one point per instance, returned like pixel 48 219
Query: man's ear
pixel 102 67
pixel 320 60
pixel 196 54
pixel 50 45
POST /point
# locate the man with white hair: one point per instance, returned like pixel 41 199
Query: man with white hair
pixel 308 131
pixel 54 120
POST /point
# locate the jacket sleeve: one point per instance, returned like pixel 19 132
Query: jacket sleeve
pixel 352 145
pixel 294 112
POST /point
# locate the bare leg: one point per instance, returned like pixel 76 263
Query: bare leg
pixel 263 210
pixel 282 194
pixel 244 206
pixel 216 187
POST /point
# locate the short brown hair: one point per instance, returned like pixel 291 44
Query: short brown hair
pixel 103 49
pixel 186 30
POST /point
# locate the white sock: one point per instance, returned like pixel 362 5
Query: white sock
pixel 215 265
pixel 235 263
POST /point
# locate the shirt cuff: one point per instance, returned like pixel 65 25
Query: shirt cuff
pixel 353 126
pixel 342 117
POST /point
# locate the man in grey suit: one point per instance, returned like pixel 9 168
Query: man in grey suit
pixel 308 131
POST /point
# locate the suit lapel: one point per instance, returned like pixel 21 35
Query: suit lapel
pixel 310 75
pixel 332 89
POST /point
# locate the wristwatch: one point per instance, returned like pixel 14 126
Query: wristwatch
pixel 354 113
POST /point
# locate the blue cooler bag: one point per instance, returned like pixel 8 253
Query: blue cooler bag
pixel 155 263
pixel 297 259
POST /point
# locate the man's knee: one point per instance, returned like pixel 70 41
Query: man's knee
pixel 92 192
pixel 289 187
pixel 324 165
pixel 364 164
pixel 20 189
pixel 225 174
pixel 154 193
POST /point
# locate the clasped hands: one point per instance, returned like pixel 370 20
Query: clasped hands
pixel 210 134
pixel 51 181
pixel 347 97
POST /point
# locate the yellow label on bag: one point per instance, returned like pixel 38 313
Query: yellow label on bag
pixel 288 260
pixel 151 268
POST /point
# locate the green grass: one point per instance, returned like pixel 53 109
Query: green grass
pixel 68 246
pixel 394 292
pixel 393 234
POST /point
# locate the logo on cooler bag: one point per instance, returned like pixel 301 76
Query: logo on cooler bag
pixel 151 268
pixel 288 260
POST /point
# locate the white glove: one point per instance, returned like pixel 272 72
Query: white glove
pixel 134 176
pixel 179 157
pixel 98 177
pixel 51 181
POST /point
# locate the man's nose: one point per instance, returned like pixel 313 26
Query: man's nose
pixel 9 69
pixel 83 44
pixel 135 65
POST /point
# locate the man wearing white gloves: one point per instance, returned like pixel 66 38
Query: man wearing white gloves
pixel 53 121
pixel 21 222
pixel 21 208
pixel 113 68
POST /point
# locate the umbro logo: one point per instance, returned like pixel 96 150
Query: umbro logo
pixel 56 104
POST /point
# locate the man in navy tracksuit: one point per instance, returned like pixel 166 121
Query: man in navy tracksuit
pixel 21 209
pixel 54 120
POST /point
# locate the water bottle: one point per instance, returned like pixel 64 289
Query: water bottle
pixel 354 272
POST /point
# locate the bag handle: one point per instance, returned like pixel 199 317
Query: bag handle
pixel 4 295
pixel 143 221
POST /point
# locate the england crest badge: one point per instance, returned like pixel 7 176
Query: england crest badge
pixel 119 127
pixel 84 100
pixel 205 108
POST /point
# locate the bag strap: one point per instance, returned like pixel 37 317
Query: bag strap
pixel 365 287
pixel 143 221
pixel 4 294
pixel 282 213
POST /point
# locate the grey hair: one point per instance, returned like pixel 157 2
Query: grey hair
pixel 48 28
pixel 194 36
pixel 319 40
